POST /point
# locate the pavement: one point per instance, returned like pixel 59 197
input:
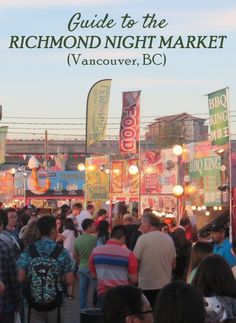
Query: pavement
pixel 70 310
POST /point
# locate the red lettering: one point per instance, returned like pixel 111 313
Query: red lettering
pixel 128 122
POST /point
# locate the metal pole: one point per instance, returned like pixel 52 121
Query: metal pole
pixel 230 168
pixel 46 148
pixel 24 189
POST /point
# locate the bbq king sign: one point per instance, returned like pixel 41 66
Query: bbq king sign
pixel 130 122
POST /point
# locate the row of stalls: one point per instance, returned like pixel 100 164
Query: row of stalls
pixel 148 178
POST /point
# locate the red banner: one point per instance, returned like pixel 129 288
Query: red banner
pixel 158 172
pixel 130 122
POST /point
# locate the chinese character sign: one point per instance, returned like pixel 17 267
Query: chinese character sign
pixel 218 110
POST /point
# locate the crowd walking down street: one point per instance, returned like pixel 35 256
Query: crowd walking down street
pixel 57 268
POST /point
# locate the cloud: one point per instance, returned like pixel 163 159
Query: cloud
pixel 168 82
pixel 202 20
pixel 57 3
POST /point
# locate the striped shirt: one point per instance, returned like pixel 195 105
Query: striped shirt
pixel 112 263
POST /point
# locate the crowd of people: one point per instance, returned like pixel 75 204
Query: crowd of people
pixel 139 269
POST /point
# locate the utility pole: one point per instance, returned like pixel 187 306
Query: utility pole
pixel 46 149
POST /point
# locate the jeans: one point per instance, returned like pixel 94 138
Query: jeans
pixel 84 282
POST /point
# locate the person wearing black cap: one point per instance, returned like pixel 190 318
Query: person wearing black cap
pixel 222 245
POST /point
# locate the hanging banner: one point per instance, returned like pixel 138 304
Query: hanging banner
pixel 130 122
pixel 96 178
pixel 124 184
pixel 219 123
pixel 68 184
pixel 6 187
pixel 158 172
pixel 3 135
pixel 97 112
pixel 203 167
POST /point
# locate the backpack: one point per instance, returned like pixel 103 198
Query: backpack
pixel 44 279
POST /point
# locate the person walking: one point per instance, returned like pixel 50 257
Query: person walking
pixel 83 247
pixel 43 265
pixel 113 264
pixel 9 285
pixel 155 252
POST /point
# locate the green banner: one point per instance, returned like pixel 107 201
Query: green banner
pixel 219 123
pixel 206 178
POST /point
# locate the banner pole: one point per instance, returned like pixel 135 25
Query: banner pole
pixel 230 168
pixel 139 177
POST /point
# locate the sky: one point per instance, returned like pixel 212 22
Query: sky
pixel 39 83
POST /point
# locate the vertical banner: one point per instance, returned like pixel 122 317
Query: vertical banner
pixel 3 135
pixel 219 123
pixel 97 112
pixel 130 122
pixel 203 167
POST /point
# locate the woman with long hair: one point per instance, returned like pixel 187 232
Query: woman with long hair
pixel 126 304
pixel 102 233
pixel 68 237
pixel 31 233
pixel 199 251
pixel 179 302
pixel 215 280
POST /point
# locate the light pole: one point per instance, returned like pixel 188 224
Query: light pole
pixel 13 172
pixel 178 189
pixel 24 178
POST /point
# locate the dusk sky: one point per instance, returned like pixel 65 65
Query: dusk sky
pixel 39 83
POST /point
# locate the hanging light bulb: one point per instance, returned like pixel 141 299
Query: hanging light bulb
pixel 178 190
pixel 177 150
pixel 81 167
pixel 133 169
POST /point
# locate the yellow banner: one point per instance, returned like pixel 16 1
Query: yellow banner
pixel 3 135
pixel 97 180
pixel 97 112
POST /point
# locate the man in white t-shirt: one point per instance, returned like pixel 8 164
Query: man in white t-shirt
pixel 155 251
pixel 76 210
pixel 85 214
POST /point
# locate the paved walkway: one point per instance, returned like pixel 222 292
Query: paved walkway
pixel 70 312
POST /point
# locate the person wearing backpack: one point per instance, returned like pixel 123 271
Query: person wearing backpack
pixel 43 265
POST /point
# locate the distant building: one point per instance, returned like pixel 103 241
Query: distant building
pixel 182 128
